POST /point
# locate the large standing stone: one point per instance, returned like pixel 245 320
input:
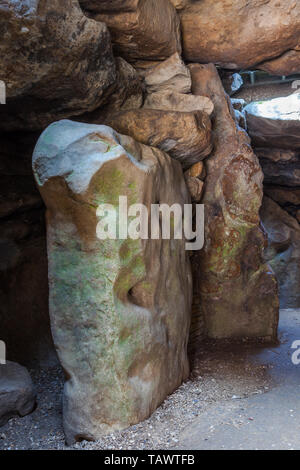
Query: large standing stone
pixel 17 395
pixel 275 123
pixel 239 34
pixel 120 309
pixel 283 251
pixel 237 290
pixel 151 32
pixel 54 61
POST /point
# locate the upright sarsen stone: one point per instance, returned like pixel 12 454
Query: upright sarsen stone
pixel 120 309
pixel 237 290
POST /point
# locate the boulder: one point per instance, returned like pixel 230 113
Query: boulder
pixel 129 94
pixel 186 137
pixel 286 64
pixel 184 103
pixel 151 32
pixel 17 395
pixel 170 75
pixel 240 34
pixel 287 198
pixel 237 290
pixel 109 5
pixel 275 123
pixel 280 166
pixel 120 336
pixel 283 252
pixel 54 61
pixel 232 82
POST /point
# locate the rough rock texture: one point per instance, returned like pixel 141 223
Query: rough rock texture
pixel 120 336
pixel 109 5
pixel 173 101
pixel 287 63
pixel 275 123
pixel 240 34
pixel 17 396
pixel 152 32
pixel 170 75
pixel 280 166
pixel 237 290
pixel 283 251
pixel 24 311
pixel 185 136
pixel 129 94
pixel 287 198
pixel 54 60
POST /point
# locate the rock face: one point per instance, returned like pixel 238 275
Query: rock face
pixel 275 123
pixel 280 166
pixel 120 336
pixel 54 60
pixel 109 5
pixel 180 102
pixel 242 34
pixel 151 32
pixel 287 63
pixel 283 251
pixel 17 395
pixel 185 136
pixel 235 290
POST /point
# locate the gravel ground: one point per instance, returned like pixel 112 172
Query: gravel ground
pixel 227 373
pixel 264 92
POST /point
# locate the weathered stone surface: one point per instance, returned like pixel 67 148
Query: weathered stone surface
pixel 283 251
pixel 129 94
pixel 287 198
pixel 17 395
pixel 275 123
pixel 280 166
pixel 196 171
pixel 169 75
pixel 237 290
pixel 152 32
pixel 195 187
pixel 179 4
pixel 173 101
pixel 54 60
pixel 109 5
pixel 287 63
pixel 240 34
pixel 185 136
pixel 120 336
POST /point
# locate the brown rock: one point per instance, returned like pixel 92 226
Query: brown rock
pixel 152 32
pixel 129 94
pixel 240 34
pixel 195 187
pixel 280 166
pixel 54 60
pixel 238 291
pixel 287 63
pixel 283 252
pixel 179 4
pixel 185 136
pixel 173 101
pixel 120 337
pixel 196 171
pixel 275 123
pixel 169 75
pixel 109 5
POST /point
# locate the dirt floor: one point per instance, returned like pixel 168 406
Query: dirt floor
pixel 224 375
pixel 264 92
